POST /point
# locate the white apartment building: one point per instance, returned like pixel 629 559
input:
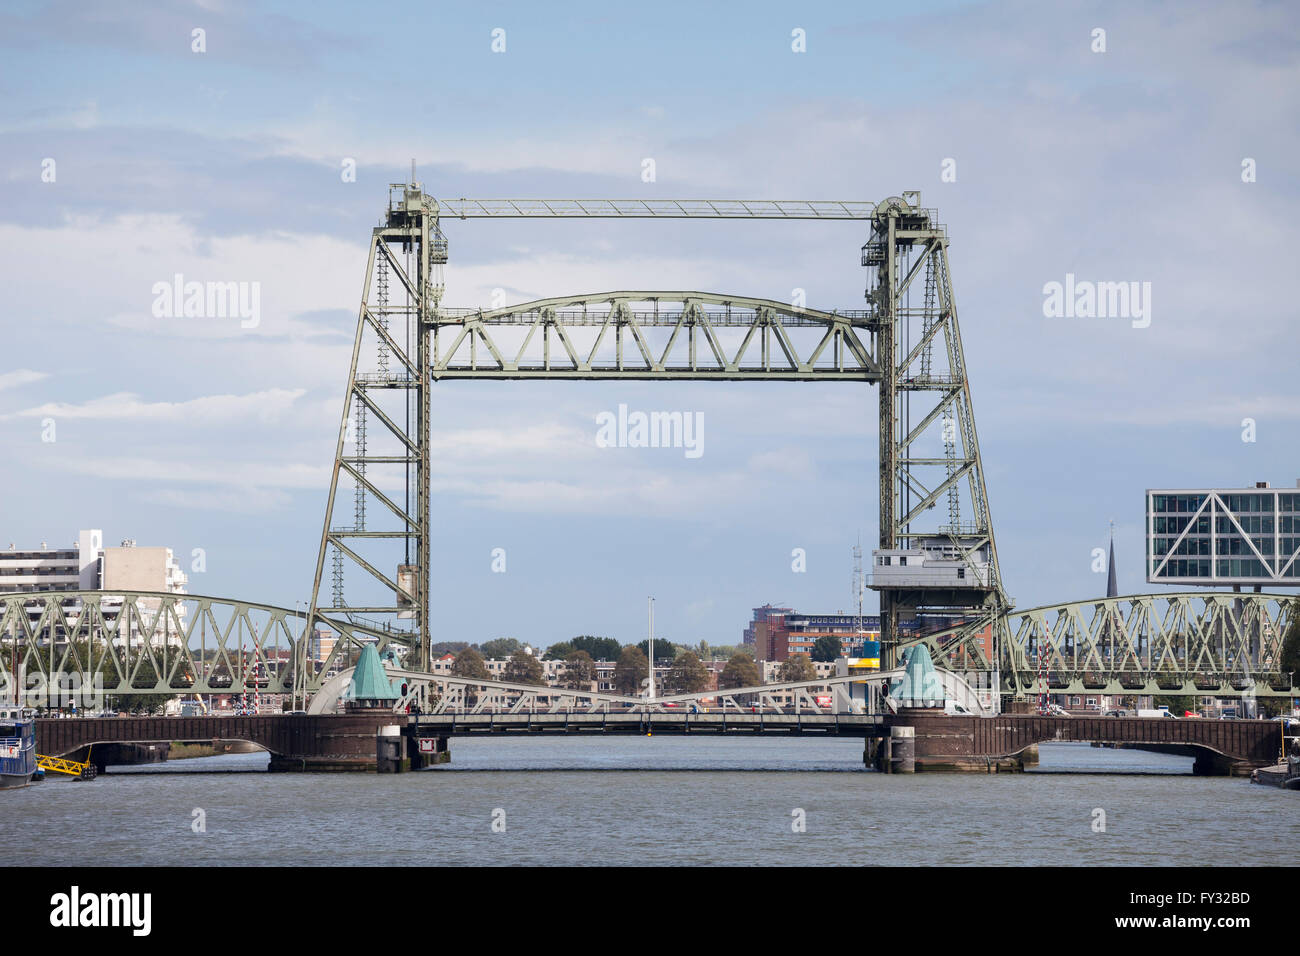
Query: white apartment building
pixel 88 566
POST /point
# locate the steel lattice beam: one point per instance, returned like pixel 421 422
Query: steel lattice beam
pixel 615 335
pixel 164 644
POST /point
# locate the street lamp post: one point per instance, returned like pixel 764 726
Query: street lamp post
pixel 651 693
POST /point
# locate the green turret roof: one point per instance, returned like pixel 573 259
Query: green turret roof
pixel 920 685
pixel 369 681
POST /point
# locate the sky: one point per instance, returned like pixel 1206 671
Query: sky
pixel 127 155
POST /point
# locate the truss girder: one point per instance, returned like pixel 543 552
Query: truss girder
pixel 651 209
pixel 1196 643
pixel 163 644
pixel 840 349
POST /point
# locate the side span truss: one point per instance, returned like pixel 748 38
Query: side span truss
pixel 1215 644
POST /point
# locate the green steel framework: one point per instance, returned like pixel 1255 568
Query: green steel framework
pixel 164 644
pixel 907 340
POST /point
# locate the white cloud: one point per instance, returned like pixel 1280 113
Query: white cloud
pixel 267 406
pixel 20 377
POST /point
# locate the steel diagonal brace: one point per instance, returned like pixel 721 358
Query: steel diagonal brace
pixel 393 347
pixel 400 433
pixel 933 496
pixel 405 516
pixel 378 575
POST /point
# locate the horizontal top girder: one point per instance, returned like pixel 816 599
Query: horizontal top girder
pixel 730 310
pixel 653 209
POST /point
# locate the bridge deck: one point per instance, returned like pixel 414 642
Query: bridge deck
pixel 833 725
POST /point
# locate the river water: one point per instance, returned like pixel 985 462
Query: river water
pixel 662 800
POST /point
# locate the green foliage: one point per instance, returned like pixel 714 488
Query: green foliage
pixel 524 668
pixel 741 671
pixel 688 675
pixel 600 648
pixel 559 651
pixel 826 648
pixel 1291 643
pixel 446 647
pixel 796 668
pixel 632 669
pixel 1178 704
pixel 718 652
pixel 469 663
pixel 664 650
pixel 579 670
pixel 500 648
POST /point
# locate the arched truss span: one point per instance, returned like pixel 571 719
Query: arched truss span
pixel 1187 643
pixel 108 643
pixel 654 335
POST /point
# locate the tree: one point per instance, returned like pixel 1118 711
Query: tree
pixel 664 650
pixel 600 648
pixel 446 647
pixel 469 663
pixel 631 670
pixel 1178 704
pixel 688 675
pixel 579 670
pixel 499 648
pixel 796 668
pixel 1290 663
pixel 523 668
pixel 559 651
pixel 826 648
pixel 741 671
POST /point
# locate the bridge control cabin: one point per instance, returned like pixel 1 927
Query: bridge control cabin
pixel 933 562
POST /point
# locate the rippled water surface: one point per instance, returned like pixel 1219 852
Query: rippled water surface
pixel 664 800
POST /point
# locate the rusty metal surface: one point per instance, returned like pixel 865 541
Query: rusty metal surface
pixel 342 736
pixel 1252 741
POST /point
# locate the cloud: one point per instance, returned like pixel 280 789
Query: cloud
pixel 243 501
pixel 20 377
pixel 267 406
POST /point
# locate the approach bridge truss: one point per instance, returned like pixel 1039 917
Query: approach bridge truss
pixel 102 644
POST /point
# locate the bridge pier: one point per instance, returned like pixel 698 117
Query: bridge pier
pixel 1009 742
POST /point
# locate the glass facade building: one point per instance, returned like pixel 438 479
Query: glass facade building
pixel 1224 536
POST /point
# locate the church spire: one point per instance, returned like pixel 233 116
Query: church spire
pixel 1112 587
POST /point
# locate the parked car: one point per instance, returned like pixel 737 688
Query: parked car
pixel 1121 712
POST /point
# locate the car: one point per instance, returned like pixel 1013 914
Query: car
pixel 1117 713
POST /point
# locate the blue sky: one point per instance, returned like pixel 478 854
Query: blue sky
pixel 224 165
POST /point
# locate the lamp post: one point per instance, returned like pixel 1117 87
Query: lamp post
pixel 651 693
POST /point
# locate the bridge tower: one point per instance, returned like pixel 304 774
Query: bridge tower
pixel 376 532
pixel 928 571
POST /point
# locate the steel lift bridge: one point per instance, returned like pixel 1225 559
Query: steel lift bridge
pixel 936 566
pixel 937 559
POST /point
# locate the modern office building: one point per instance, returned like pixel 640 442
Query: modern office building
pixel 1224 536
pixel 779 632
pixel 761 615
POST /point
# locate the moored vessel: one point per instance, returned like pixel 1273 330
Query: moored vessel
pixel 17 747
